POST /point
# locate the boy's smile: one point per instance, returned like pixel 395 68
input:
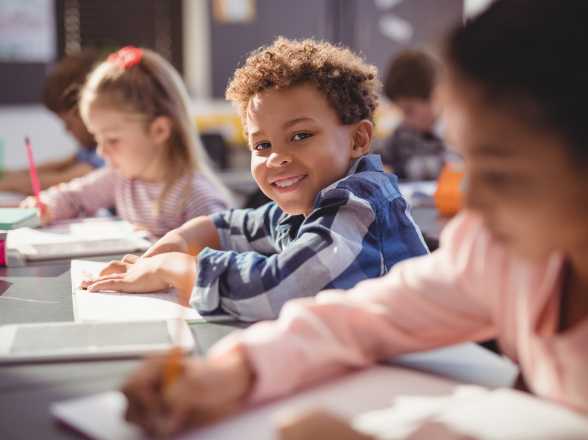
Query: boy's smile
pixel 299 146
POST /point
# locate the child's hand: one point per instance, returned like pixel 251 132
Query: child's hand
pixel 150 275
pixel 139 277
pixel 112 267
pixel 45 212
pixel 318 424
pixel 206 391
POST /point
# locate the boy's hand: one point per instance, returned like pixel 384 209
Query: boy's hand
pixel 206 391
pixel 139 277
pixel 318 424
pixel 113 267
pixel 45 212
pixel 150 275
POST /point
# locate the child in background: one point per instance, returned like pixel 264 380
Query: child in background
pixel 513 265
pixel 336 217
pixel 157 174
pixel 415 151
pixel 60 95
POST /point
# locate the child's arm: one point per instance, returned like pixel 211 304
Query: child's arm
pixel 190 238
pixel 336 247
pixel 84 195
pixel 423 303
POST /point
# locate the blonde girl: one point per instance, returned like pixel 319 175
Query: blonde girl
pixel 157 174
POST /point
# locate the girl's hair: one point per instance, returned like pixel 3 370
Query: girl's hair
pixel 527 57
pixel 150 87
pixel 349 84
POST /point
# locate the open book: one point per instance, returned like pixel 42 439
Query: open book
pixel 76 238
pixel 114 306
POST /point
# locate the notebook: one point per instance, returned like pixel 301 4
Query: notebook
pixel 114 306
pixel 74 238
pixel 13 218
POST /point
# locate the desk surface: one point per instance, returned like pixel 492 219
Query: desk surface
pixel 41 292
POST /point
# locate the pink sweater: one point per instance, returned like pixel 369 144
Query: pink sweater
pixel 135 200
pixel 470 289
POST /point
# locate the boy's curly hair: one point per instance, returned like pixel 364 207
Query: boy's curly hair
pixel 348 82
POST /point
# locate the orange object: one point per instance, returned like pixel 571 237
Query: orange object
pixel 449 193
pixel 173 367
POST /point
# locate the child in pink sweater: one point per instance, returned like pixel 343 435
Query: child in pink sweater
pixel 513 265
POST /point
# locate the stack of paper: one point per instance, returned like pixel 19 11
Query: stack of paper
pixel 69 239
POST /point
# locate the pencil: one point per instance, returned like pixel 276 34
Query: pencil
pixel 33 172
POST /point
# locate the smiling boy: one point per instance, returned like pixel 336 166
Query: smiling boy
pixel 335 217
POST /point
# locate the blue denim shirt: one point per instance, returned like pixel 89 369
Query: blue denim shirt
pixel 89 156
pixel 359 228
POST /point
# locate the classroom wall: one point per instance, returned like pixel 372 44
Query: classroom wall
pixel 49 139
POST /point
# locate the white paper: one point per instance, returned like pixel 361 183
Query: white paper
pixel 113 306
pixel 76 238
pixel 476 412
pixel 468 363
pixel 101 416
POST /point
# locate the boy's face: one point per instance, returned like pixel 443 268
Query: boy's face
pixel 75 126
pixel 299 146
pixel 417 113
pixel 519 177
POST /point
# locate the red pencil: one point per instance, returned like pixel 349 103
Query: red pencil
pixel 33 172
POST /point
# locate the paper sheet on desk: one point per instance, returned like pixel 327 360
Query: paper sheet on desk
pixel 475 412
pixel 416 398
pixel 104 306
pixel 75 238
pixel 100 416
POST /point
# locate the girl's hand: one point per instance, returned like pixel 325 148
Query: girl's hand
pixel 45 212
pixel 318 424
pixel 205 391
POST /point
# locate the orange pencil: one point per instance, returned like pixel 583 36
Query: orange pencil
pixel 173 367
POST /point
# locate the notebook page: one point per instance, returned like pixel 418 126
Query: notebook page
pixel 113 306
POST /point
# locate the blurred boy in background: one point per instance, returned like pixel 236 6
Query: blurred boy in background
pixel 60 96
pixel 415 151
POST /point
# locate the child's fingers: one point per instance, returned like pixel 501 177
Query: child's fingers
pixel 318 424
pixel 130 258
pixel 114 267
pixel 114 282
pixel 29 202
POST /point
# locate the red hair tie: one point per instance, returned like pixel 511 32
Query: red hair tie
pixel 126 57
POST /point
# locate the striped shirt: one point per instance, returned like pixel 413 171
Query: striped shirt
pixel 136 201
pixel 359 228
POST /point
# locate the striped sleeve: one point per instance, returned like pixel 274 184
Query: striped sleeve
pixel 254 286
pixel 82 196
pixel 203 200
pixel 244 230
